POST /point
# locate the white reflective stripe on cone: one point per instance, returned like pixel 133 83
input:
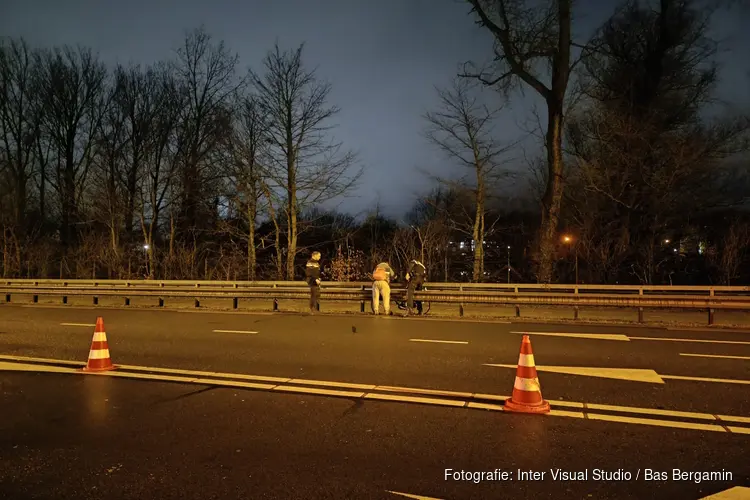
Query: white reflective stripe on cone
pixel 526 360
pixel 100 336
pixel 527 384
pixel 99 354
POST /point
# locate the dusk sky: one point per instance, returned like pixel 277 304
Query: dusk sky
pixel 383 59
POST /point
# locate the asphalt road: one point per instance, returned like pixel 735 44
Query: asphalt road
pixel 370 350
pixel 95 437
pixel 87 437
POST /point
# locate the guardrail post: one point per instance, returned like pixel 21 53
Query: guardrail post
pixel 235 302
pixel 96 300
pixel 7 297
pixel 640 309
pixel 197 302
pixel 461 304
pixel 575 308
pixel 362 302
pixel 35 299
pixel 161 301
pixel 275 302
pixel 517 307
pixel 127 301
pixel 65 299
pixel 711 311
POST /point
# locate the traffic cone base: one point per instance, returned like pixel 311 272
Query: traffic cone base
pixel 99 359
pixel 527 393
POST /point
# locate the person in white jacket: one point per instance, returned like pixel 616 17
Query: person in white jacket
pixel 382 276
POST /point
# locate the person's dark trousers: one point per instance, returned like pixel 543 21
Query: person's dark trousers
pixel 314 298
pixel 414 285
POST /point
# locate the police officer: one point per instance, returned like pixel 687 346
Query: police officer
pixel 312 275
pixel 415 278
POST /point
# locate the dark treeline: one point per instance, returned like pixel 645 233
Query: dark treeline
pixel 195 168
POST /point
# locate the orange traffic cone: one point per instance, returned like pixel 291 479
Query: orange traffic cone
pixel 99 359
pixel 527 394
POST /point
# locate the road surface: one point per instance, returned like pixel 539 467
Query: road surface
pixel 280 421
pixel 483 311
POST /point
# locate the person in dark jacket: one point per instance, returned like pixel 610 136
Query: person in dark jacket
pixel 312 275
pixel 415 279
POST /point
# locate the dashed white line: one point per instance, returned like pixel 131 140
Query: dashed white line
pixel 439 341
pixel 235 331
pixel 704 341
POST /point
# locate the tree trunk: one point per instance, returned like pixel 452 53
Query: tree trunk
pixel 478 232
pixel 5 252
pixel 251 257
pixel 291 215
pixel 279 256
pixel 552 200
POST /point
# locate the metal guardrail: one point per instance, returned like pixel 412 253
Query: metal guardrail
pixel 515 295
pixel 517 288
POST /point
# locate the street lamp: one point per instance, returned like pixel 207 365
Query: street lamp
pixel 568 240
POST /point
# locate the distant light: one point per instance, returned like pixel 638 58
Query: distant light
pixel 666 241
pixel 567 239
pixel 508 247
pixel 145 247
pixel 675 250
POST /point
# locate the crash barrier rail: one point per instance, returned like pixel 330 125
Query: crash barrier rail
pixel 637 297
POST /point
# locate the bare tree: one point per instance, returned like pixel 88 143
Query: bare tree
pixel 18 122
pixel 464 129
pixel 160 163
pixel 72 91
pixel 19 130
pixel 431 222
pixel 528 35
pixel 732 251
pixel 108 162
pixel 306 164
pixel 248 148
pixel 273 215
pixel 644 154
pixel 207 76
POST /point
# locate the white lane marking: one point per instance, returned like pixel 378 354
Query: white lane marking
pixel 234 331
pixel 429 392
pixel 703 329
pixel 23 367
pixel 631 374
pixel 78 324
pixel 706 379
pixel 736 493
pixel 413 497
pixel 704 341
pixel 694 355
pixel 439 341
pixel 415 399
pixel 656 422
pixel 595 336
